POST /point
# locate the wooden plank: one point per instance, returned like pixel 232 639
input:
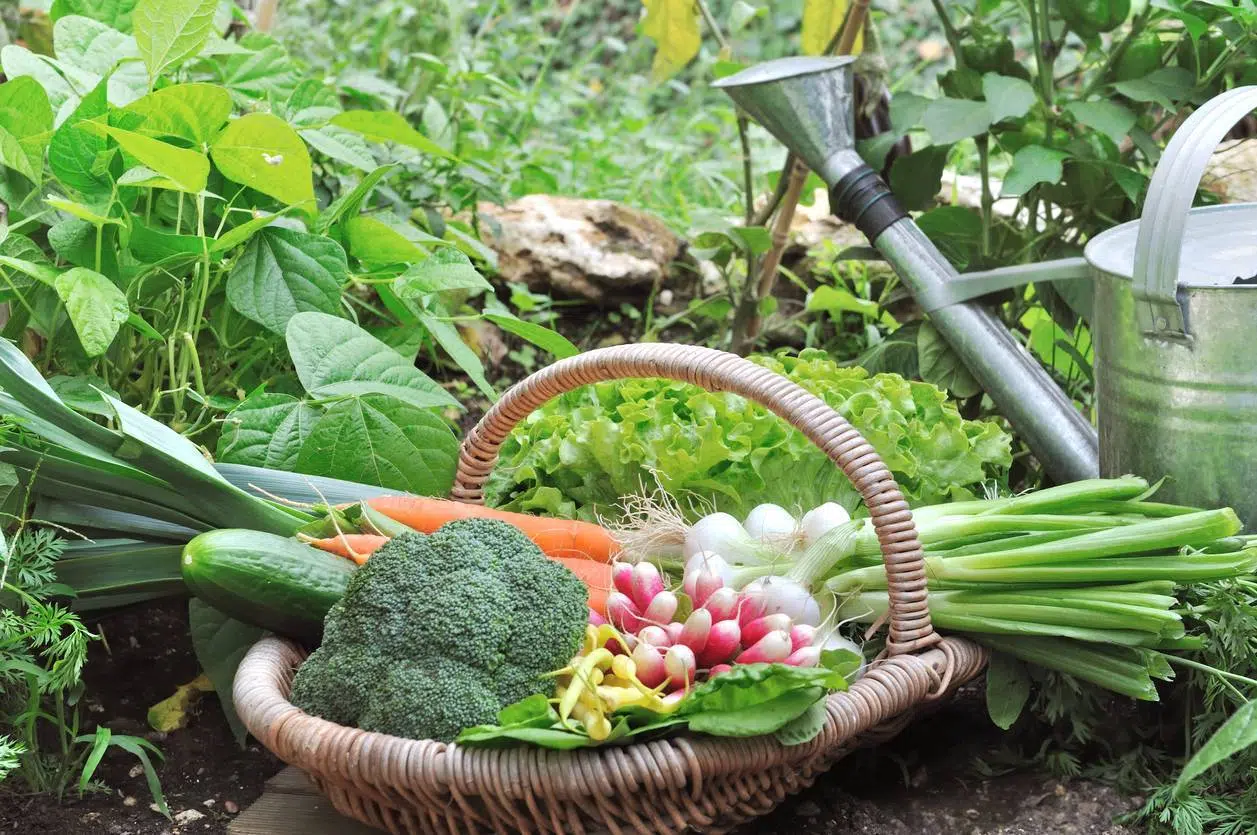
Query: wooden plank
pixel 291 780
pixel 285 814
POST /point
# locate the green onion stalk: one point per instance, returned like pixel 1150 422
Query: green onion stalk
pixel 1079 578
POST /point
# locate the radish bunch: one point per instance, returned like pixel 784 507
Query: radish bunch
pixel 725 627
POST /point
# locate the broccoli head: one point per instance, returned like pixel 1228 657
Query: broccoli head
pixel 438 633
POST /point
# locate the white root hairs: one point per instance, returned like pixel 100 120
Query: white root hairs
pixel 652 525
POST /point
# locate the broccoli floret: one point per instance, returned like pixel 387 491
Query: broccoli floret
pixel 438 633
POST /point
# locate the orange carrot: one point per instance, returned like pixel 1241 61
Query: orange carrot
pixel 355 546
pixel 563 538
pixel 595 575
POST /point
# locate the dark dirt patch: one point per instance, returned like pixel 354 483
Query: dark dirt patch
pixel 149 655
pixel 922 782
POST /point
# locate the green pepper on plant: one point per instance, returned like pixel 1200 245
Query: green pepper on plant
pixel 1089 18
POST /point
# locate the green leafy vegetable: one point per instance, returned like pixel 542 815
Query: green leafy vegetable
pixel 579 454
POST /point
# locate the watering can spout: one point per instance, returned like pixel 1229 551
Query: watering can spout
pixel 809 105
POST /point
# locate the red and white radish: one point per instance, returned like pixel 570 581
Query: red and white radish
pixel 722 642
pixel 661 609
pixel 649 663
pixel 622 577
pixel 718 669
pixel 804 657
pixel 802 636
pixel 654 635
pixel 647 582
pixel 695 630
pixel 681 665
pixel 723 604
pixel 773 647
pixel 674 630
pixel 758 628
pixel 781 594
pixel 705 586
pixel 596 619
pixel 623 613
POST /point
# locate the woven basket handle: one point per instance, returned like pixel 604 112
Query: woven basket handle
pixel 909 617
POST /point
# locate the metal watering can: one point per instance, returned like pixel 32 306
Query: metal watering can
pixel 1176 388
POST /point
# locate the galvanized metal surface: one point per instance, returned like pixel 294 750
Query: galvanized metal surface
pixel 807 103
pixel 1176 365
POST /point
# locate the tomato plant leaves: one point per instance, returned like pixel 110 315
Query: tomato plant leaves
pixel 335 358
pixel 97 308
pixel 283 272
pixel 262 152
pixel 382 440
pixel 1032 165
pixel 1007 97
pixel 170 32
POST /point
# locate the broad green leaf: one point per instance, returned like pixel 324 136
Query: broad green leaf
pixel 759 718
pixel 1007 689
pixel 674 27
pixel 539 335
pixel 1032 165
pixel 821 21
pixel 38 270
pixel 170 32
pixel 942 366
pixel 444 270
pixel 805 727
pixel 262 152
pixel 917 178
pixel 388 126
pixel 261 71
pixel 84 393
pixel 266 430
pixel 20 62
pixel 350 203
pixel 374 242
pixel 74 153
pixel 334 357
pixel 25 125
pixel 237 235
pixel 956 231
pixel 193 112
pixel 1236 734
pixel 113 13
pixel 152 246
pixel 97 51
pixel 341 145
pixel 1110 118
pixel 96 306
pixel 187 169
pixel 1168 87
pixel 283 272
pixel 448 337
pixel 382 440
pixel 220 644
pixel 906 110
pixel 950 120
pixel 1007 97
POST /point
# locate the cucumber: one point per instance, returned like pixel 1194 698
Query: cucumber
pixel 268 581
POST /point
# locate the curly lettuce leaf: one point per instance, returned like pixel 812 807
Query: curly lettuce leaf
pixel 580 454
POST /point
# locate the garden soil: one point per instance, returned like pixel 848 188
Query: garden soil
pixel 923 782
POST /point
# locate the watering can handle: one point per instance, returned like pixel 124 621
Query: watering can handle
pixel 1170 196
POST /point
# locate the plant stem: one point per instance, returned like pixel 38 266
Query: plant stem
pixel 988 201
pixel 1205 668
pixel 950 32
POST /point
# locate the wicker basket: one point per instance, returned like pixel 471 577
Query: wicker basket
pixel 688 781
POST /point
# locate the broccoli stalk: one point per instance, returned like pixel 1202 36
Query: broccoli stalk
pixel 438 633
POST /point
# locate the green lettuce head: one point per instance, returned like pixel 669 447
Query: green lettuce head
pixel 581 453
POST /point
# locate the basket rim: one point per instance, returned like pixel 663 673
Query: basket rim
pixel 377 763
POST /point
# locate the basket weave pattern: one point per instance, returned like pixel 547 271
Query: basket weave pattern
pixel 411 787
